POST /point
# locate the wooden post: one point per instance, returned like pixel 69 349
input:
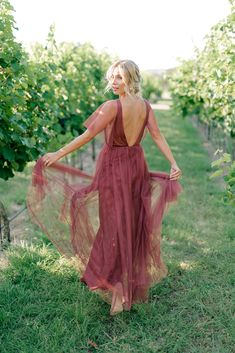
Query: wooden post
pixel 81 160
pixel 208 132
pixel 93 149
pixel 4 228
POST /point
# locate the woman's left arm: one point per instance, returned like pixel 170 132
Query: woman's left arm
pixel 105 115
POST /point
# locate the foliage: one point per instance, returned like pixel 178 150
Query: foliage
pixel 205 85
pixel 43 95
pixel 151 87
pixel 14 140
pixel 226 167
pixel 76 80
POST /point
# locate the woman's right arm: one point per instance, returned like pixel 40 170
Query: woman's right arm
pixel 95 124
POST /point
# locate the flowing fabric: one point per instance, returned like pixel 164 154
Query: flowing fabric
pixel 110 222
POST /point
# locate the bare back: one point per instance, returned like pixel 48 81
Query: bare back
pixel 133 117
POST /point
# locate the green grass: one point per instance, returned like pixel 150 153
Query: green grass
pixel 45 309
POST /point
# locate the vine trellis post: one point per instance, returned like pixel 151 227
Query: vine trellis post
pixel 4 228
pixel 216 136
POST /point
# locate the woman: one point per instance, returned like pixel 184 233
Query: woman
pixel 111 221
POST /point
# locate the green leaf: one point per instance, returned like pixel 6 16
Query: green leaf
pixel 216 174
pixel 231 182
pixel 8 154
pixel 218 162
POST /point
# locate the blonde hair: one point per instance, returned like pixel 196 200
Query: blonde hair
pixel 130 74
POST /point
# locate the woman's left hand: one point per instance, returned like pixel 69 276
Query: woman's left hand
pixel 175 172
pixel 50 158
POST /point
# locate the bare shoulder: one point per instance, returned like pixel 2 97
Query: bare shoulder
pixel 110 106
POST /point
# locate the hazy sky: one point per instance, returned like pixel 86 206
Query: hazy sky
pixel 153 33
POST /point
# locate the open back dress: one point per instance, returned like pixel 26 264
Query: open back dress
pixel 109 222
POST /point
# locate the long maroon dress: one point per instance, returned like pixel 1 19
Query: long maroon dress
pixel 110 222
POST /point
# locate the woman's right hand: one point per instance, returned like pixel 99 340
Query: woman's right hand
pixel 50 158
pixel 175 172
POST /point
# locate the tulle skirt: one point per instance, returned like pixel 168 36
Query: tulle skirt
pixel 109 222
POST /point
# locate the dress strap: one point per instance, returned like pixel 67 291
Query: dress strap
pixel 118 105
pixel 147 110
pixel 116 126
pixel 145 121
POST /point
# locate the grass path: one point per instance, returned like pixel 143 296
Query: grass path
pixel 45 309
